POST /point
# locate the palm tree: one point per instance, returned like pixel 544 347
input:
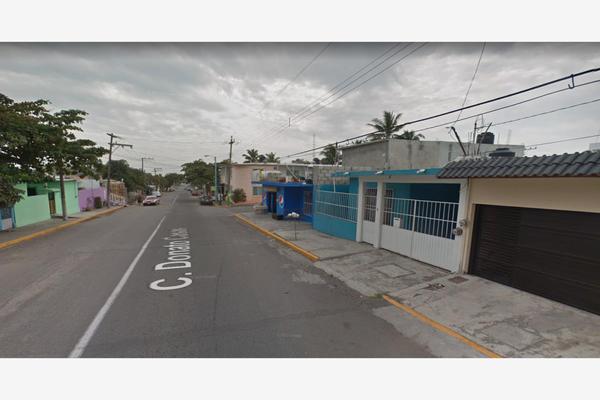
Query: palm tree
pixel 409 135
pixel 251 156
pixel 271 158
pixel 329 153
pixel 386 127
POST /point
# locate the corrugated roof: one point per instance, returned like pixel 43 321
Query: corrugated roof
pixel 584 164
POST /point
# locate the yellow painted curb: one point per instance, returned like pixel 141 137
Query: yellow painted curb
pixel 53 229
pixel 311 256
pixel 442 328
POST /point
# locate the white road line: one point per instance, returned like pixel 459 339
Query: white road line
pixel 91 330
pixel 174 200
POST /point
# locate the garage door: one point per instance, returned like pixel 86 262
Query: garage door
pixel 555 254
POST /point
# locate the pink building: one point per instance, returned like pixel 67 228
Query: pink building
pixel 250 176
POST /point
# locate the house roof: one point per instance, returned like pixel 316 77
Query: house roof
pixel 385 172
pixel 582 164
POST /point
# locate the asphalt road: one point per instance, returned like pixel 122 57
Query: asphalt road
pixel 98 289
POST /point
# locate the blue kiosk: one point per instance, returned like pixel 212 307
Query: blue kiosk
pixel 282 198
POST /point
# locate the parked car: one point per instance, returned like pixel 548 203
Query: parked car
pixel 195 193
pixel 156 193
pixel 206 201
pixel 151 201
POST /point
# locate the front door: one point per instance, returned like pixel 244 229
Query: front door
pixel 369 228
pixel 52 203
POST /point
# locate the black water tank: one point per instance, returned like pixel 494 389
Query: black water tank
pixel 485 138
pixel 502 152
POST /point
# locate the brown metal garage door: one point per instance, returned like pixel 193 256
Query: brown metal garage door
pixel 555 254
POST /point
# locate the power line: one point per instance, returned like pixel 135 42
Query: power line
pixel 561 141
pixel 310 106
pixel 297 75
pixel 547 112
pixel 322 97
pixel 571 77
pixel 471 83
pixel 506 106
pixel 356 87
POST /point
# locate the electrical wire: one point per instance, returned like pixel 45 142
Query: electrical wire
pixel 296 76
pixel 471 83
pixel 356 87
pixel 561 141
pixel 506 106
pixel 311 105
pixel 572 77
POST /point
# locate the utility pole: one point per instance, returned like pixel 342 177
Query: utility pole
pixel 143 174
pixel 231 142
pixel 116 145
pixel 157 169
pixel 313 158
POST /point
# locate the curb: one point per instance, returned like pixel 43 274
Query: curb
pixel 47 231
pixel 311 256
pixel 442 328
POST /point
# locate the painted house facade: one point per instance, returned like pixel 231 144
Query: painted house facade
pixel 533 223
pixel 409 212
pixel 42 200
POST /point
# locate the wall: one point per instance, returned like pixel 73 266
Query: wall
pixel 71 197
pixel 569 194
pixel 86 197
pixel 31 209
pixel 410 154
pixel 334 226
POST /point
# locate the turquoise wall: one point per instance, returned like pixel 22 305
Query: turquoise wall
pixel 31 209
pixel 335 226
pixel 71 196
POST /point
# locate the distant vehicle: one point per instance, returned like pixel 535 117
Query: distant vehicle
pixel 151 201
pixel 206 201
pixel 195 193
pixel 156 193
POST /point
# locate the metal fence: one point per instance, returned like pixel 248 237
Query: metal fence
pixel 308 204
pixel 435 218
pixel 336 204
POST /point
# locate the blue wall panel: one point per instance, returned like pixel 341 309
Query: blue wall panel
pixel 335 226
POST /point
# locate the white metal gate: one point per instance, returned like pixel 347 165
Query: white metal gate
pixel 421 229
pixel 369 227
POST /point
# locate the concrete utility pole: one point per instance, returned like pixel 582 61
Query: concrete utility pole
pixel 155 170
pixel 231 142
pixel 112 144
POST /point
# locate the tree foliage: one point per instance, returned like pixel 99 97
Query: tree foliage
pixel 329 154
pixel 36 143
pixel 251 156
pixel 271 158
pixel 388 126
pixel 198 173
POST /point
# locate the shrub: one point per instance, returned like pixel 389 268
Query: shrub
pixel 238 195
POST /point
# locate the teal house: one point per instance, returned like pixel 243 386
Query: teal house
pixel 41 201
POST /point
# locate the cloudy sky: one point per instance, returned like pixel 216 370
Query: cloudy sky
pixel 179 102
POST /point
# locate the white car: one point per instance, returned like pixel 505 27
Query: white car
pixel 156 193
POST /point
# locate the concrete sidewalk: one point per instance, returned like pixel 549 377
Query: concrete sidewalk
pixel 493 317
pixel 17 235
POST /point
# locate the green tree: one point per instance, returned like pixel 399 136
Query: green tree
pixel 22 146
pixel 330 155
pixel 385 127
pixel 65 154
pixel 300 161
pixel 271 158
pixel 172 179
pixel 198 173
pixel 410 135
pixel 251 156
